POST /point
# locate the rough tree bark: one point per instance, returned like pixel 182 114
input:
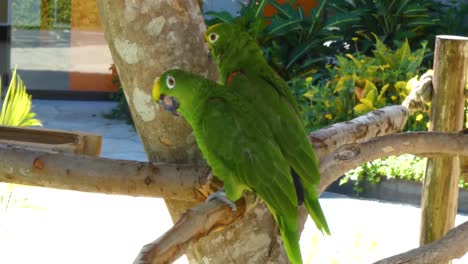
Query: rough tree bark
pixel 146 38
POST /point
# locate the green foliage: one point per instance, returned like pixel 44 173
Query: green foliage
pixel 406 167
pixel 292 41
pixel 392 21
pixel 16 107
pixel 454 19
pixel 360 84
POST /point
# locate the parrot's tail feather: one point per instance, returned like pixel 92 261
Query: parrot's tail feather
pixel 315 210
pixel 298 186
pixel 290 237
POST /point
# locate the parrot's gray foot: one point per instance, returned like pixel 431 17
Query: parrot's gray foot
pixel 221 195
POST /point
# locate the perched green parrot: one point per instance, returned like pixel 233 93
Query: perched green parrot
pixel 237 144
pixel 238 57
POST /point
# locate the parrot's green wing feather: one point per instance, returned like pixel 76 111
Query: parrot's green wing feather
pixel 281 87
pixel 290 136
pixel 242 152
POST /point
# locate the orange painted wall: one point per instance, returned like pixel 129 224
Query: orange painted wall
pixel 90 57
pixel 307 5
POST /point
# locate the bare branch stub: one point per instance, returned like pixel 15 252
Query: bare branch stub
pixel 421 94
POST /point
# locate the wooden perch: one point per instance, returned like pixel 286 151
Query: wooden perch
pixel 350 156
pixel 453 245
pixel 180 182
pixel 101 175
pixel 173 243
pixel 385 121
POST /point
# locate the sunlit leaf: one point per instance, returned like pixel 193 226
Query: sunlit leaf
pixel 16 107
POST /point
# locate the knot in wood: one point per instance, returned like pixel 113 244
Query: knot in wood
pixel 148 180
pixel 347 152
pixel 38 164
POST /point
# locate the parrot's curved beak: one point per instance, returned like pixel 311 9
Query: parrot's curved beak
pixel 170 104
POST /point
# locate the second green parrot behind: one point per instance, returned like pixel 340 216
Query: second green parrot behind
pixel 244 70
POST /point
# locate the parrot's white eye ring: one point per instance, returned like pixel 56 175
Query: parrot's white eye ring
pixel 170 82
pixel 213 37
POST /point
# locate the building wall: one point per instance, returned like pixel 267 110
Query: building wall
pixel 59 45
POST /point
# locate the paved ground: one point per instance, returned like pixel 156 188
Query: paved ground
pixel 53 226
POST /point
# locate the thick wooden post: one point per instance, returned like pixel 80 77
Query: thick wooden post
pixel 440 193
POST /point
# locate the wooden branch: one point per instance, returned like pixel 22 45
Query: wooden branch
pixel 156 180
pixel 385 121
pixel 453 245
pixel 109 176
pixel 350 156
pixel 172 244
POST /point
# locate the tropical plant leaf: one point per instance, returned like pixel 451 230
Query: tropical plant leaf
pixel 279 26
pixel 284 10
pixel 222 16
pixel 365 106
pixel 16 106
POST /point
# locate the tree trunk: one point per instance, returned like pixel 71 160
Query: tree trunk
pixel 440 191
pixel 147 38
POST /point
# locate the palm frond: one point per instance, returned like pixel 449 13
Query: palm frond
pixel 16 106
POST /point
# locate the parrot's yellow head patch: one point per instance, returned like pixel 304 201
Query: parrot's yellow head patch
pixel 156 92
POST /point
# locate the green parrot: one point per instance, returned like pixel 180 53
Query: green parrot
pixel 237 144
pixel 238 57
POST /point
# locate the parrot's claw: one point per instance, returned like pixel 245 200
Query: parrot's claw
pixel 221 195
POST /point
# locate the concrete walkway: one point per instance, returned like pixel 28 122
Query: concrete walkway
pixel 72 227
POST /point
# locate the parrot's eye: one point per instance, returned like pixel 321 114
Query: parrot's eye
pixel 213 37
pixel 170 82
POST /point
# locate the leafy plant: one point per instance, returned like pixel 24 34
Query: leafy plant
pixel 292 41
pixel 406 167
pixel 360 84
pixel 392 21
pixel 16 107
pixel 454 18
